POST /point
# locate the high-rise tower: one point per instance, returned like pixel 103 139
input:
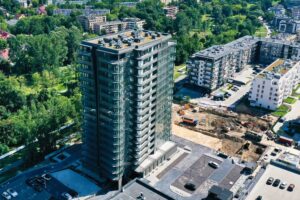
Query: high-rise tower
pixel 127 85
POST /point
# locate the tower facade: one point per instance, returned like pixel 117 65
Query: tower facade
pixel 127 85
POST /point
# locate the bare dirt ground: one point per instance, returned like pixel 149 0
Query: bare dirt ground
pixel 212 123
pixel 225 145
pixel 197 137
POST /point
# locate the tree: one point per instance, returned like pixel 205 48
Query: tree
pixel 3 44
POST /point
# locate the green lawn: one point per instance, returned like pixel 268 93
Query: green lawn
pixel 261 32
pixel 295 94
pixel 281 111
pixel 177 73
pixel 290 100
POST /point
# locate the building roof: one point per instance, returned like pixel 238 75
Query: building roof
pixel 278 68
pixel 221 193
pixel 127 39
pixel 138 189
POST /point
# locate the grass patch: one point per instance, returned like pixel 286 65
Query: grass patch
pixel 289 100
pixel 261 32
pixel 294 93
pixel 177 70
pixel 281 111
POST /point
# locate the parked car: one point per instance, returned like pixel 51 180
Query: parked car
pixel 6 196
pixel 66 196
pixel 273 153
pixel 277 150
pixel 270 180
pixel 12 192
pixel 276 182
pixel 283 185
pixel 30 181
pixel 259 197
pixel 291 187
pixel 190 186
pixel 213 164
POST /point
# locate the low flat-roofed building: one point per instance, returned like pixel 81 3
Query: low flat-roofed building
pixel 219 193
pixel 275 83
pixel 274 193
pixel 289 159
pixel 140 190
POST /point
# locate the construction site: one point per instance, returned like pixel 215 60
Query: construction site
pixel 226 131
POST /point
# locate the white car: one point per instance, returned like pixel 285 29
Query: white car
pixel 213 164
pixel 6 196
pixel 66 196
pixel 12 192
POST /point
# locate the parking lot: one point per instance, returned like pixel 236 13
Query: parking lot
pixel 275 193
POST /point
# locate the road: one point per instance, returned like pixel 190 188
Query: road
pixel 292 115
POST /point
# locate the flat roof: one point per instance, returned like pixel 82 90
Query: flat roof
pixel 138 188
pixel 76 182
pixel 278 67
pixel 127 39
pixel 275 193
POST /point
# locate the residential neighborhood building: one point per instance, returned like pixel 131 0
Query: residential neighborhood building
pixel 127 86
pixel 289 26
pixel 24 3
pixel 277 10
pixel 291 3
pixel 85 12
pixel 109 27
pixel 213 67
pixel 4 54
pixel 128 4
pixel 296 12
pixel 134 23
pixel 88 21
pixel 171 11
pixel 274 84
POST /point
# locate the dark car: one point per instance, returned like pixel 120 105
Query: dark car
pixel 190 186
pixel 259 198
pixel 291 187
pixel 276 182
pixel 30 181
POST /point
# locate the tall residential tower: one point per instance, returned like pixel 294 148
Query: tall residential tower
pixel 127 85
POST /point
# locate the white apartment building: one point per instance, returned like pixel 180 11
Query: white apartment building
pixel 274 84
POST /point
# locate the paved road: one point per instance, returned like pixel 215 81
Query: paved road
pixel 292 115
pixel 26 192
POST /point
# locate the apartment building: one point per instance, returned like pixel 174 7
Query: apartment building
pixel 127 85
pixel 88 21
pixel 171 11
pixel 109 27
pixel 134 23
pixel 24 3
pixel 291 3
pixel 211 68
pixel 277 10
pixel 289 26
pixel 274 84
pixel 85 12
pixel 296 12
